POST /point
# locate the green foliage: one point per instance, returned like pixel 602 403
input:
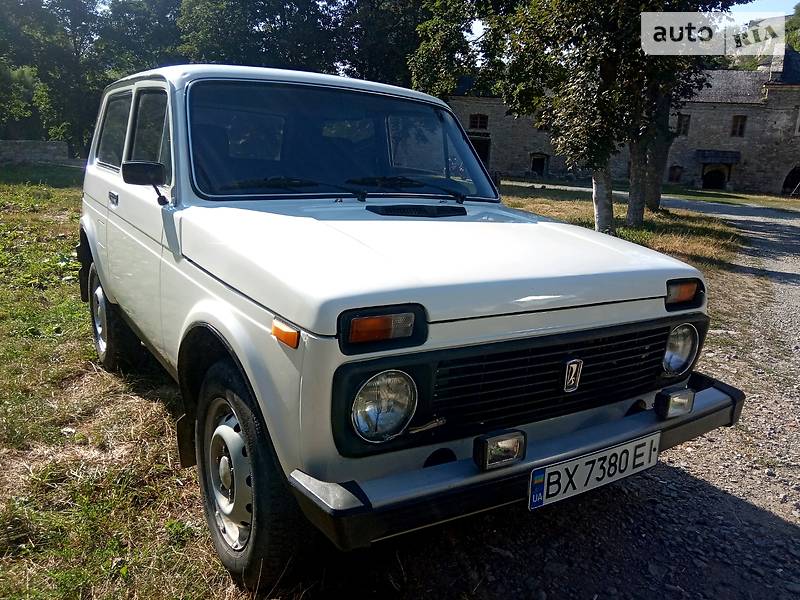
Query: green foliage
pixel 377 37
pixel 444 53
pixel 135 35
pixel 793 28
pixel 296 34
pixel 14 101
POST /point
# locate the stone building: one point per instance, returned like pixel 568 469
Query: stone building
pixel 742 133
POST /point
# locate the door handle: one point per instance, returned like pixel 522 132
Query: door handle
pixel 113 198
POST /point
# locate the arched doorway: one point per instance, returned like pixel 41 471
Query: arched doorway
pixel 792 181
pixel 715 177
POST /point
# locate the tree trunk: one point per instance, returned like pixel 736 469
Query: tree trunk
pixel 635 217
pixel 603 205
pixel 658 154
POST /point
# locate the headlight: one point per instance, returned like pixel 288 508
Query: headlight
pixel 384 406
pixel 681 349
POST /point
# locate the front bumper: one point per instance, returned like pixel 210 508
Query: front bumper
pixel 353 515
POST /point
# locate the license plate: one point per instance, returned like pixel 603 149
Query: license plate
pixel 572 477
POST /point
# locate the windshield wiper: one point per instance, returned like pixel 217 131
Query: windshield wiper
pixel 270 182
pixel 399 182
pixel 289 183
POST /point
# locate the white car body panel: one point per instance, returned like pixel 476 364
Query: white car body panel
pixel 494 261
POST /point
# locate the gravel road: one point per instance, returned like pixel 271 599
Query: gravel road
pixel 719 517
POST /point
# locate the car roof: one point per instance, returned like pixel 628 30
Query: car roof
pixel 179 76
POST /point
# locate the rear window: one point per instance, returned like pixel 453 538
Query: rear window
pixel 112 132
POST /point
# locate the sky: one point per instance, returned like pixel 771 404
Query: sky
pixel 780 6
pixel 785 7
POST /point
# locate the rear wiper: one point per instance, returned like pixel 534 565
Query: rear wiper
pixel 398 183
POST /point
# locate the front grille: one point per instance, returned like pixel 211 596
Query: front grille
pixel 502 387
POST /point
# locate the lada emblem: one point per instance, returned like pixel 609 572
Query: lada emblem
pixel 572 375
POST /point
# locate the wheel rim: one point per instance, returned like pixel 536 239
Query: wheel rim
pixel 99 319
pixel 229 474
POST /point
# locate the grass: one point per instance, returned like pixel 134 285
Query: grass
pixel 92 501
pixel 702 240
pixel 684 193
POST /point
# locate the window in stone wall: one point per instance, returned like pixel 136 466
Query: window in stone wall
pixel 675 173
pixel 479 121
pixel 797 123
pixel 737 128
pixel 683 124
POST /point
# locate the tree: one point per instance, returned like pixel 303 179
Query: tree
pixel 793 28
pixel 135 35
pixel 70 76
pixel 579 89
pixel 444 53
pixel 297 34
pixel 377 37
pixel 580 67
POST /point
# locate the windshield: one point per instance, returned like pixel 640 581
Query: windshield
pixel 257 139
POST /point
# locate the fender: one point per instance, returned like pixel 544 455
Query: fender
pixel 272 375
pixel 87 249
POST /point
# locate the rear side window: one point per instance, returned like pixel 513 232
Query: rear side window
pixel 112 133
pixel 151 141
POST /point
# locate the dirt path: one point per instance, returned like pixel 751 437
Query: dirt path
pixel 718 518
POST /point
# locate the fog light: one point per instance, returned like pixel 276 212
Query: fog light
pixel 499 449
pixel 674 402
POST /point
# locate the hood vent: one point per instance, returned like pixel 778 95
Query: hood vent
pixel 418 210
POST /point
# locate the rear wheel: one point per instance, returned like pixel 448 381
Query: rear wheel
pixel 115 343
pixel 252 517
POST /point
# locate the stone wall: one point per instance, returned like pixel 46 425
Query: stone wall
pixel 513 141
pixel 32 151
pixel 768 151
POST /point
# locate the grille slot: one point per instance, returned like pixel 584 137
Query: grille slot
pixel 504 387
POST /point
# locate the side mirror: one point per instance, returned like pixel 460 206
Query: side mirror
pixel 139 172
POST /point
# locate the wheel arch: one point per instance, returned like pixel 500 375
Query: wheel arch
pixel 87 252
pixel 202 345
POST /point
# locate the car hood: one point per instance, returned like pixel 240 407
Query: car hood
pixel 309 260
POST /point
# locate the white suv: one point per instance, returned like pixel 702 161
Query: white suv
pixel 361 331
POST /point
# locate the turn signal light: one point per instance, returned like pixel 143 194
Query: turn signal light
pixel 285 333
pixel 684 293
pixel 381 327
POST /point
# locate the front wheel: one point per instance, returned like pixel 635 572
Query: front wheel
pixel 252 517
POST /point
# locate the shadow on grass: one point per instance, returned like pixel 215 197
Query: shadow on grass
pixel 663 534
pixel 732 209
pixel 53 175
pixel 715 195
pixel 150 381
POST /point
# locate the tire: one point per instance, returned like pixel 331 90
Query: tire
pixel 255 522
pixel 115 343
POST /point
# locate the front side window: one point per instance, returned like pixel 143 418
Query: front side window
pixel 270 139
pixel 112 132
pixel 151 139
